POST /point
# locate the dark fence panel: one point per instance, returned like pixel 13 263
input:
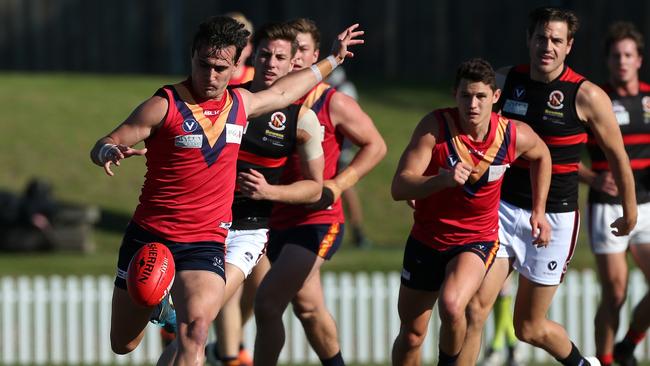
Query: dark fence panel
pixel 420 40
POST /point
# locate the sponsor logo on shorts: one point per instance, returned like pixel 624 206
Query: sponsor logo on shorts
pixel 406 274
pixel 218 262
pixel 249 256
pixel 552 265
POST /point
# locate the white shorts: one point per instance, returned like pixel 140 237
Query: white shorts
pixel 244 248
pixel 602 241
pixel 543 265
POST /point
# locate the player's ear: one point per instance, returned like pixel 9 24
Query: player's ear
pixel 569 45
pixel 496 96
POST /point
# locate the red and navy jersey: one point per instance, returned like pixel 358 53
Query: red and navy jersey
pixel 633 116
pixel 268 141
pixel 550 109
pixel 191 164
pixel 284 215
pixel 468 213
pixel 247 75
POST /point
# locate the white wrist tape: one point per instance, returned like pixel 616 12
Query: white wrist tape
pixel 316 71
pixel 324 67
pixel 332 61
pixel 105 153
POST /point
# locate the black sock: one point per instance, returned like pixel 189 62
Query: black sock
pixel 446 360
pixel 574 358
pixel 337 360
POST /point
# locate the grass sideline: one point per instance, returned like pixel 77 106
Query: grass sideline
pixel 54 119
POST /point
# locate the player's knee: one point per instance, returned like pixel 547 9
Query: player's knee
pixel 121 348
pixel 451 309
pixel 477 313
pixel 615 299
pixel 531 332
pixel 412 338
pixel 266 308
pixel 196 333
pixel 305 312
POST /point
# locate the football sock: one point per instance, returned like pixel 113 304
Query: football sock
pixel 445 359
pixel 337 360
pixel 574 358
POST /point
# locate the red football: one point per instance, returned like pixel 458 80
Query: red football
pixel 151 274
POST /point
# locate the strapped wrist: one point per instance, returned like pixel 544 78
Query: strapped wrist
pixel 104 153
pixel 323 68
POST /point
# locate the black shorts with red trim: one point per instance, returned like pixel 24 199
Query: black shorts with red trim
pixel 321 239
pixel 424 268
pixel 203 255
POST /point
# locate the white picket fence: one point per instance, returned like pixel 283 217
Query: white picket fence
pixel 66 320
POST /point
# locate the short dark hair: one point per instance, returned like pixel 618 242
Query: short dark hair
pixel 544 15
pixel 273 31
pixel 306 25
pixel 220 32
pixel 624 30
pixel 476 70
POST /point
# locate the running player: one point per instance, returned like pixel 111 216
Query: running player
pixel 192 131
pixel 631 100
pixel 559 105
pixel 456 160
pixel 302 238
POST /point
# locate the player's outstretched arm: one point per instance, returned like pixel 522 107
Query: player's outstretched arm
pixel 410 182
pixel 289 88
pixel 595 107
pixel 308 190
pixel 531 147
pixel 117 145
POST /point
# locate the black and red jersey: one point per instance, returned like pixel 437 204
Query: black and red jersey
pixel 633 116
pixel 550 109
pixel 285 215
pixel 268 141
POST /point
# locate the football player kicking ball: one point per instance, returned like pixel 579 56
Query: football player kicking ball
pixel 192 132
pixel 269 141
pixel 453 168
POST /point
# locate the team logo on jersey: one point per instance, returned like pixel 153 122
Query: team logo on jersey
pixel 555 100
pixel 519 92
pixel 190 125
pixel 645 102
pixel 278 121
pixel 452 160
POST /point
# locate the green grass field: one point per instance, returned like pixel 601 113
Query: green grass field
pixel 52 120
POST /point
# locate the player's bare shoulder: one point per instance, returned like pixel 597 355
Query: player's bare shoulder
pixel 591 101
